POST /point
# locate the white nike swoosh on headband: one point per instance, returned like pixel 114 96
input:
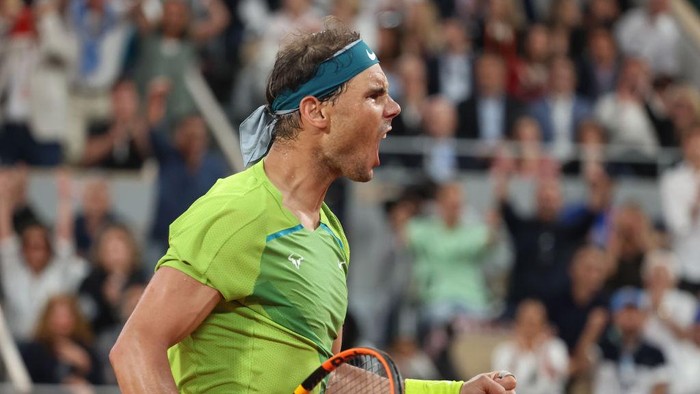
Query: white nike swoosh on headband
pixel 371 55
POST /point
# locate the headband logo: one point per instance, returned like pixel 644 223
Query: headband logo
pixel 371 55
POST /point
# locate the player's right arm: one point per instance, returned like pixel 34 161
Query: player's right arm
pixel 173 305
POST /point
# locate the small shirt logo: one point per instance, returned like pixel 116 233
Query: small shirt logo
pixel 295 259
pixel 341 264
pixel 371 55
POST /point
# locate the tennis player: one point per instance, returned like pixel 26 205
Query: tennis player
pixel 251 294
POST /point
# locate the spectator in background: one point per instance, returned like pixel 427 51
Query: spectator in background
pixel 451 70
pixel 671 315
pixel 391 35
pixel 490 113
pixel 601 13
pixel 544 242
pixel 579 313
pixel 631 238
pixel 629 364
pixel 101 30
pixel 187 169
pixel 448 252
pixel 122 142
pixel 534 354
pixel 559 41
pixel 530 159
pixel 651 32
pixel 33 267
pixel 566 19
pixel 397 300
pixel 50 82
pixel 116 264
pixel 561 109
pixel 527 79
pixel 440 159
pixel 591 140
pixel 34 72
pixel 412 82
pixel 168 50
pixel 624 115
pixel 680 203
pixel 61 350
pixel 422 33
pixel 96 213
pixel 499 32
pixel 598 67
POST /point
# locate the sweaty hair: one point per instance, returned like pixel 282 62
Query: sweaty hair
pixel 296 64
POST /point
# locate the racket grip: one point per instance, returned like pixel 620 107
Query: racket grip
pixel 301 390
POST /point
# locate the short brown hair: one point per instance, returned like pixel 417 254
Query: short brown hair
pixel 296 64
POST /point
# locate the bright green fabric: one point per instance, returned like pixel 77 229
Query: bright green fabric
pixel 284 289
pixel 412 386
pixel 448 262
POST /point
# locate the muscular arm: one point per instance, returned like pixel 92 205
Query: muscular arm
pixel 172 306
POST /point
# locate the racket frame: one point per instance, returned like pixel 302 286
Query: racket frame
pixel 330 365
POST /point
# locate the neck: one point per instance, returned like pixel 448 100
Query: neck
pixel 300 179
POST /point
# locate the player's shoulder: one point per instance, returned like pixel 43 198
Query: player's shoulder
pixel 237 199
pixel 243 188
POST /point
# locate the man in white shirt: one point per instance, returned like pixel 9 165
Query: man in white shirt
pixel 623 114
pixel 680 202
pixel 650 32
pixel 32 269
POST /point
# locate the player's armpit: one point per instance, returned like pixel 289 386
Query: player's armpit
pixel 172 306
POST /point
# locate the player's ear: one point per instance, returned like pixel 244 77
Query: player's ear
pixel 312 111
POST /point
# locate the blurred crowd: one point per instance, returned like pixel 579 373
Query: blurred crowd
pixel 598 296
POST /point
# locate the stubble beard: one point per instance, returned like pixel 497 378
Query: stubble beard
pixel 349 166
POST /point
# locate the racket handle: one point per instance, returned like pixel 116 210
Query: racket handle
pixel 301 390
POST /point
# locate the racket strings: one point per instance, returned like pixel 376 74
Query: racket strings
pixel 363 374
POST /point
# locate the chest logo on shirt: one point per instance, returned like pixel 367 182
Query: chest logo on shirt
pixel 341 264
pixel 295 259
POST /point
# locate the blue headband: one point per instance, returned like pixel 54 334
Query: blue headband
pixel 256 131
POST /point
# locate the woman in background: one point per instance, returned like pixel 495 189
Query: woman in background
pixel 61 350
